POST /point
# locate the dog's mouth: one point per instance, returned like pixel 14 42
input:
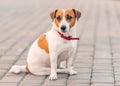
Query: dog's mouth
pixel 64 31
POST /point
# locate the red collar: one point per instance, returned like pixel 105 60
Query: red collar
pixel 67 37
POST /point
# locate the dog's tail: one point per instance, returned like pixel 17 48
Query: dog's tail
pixel 18 69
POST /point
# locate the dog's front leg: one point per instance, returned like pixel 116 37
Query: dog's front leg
pixel 70 60
pixel 53 62
pixel 70 67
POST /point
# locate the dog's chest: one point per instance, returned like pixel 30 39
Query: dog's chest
pixel 65 53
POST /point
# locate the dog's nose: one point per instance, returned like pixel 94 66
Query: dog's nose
pixel 63 28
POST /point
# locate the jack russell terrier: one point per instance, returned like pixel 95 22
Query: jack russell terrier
pixel 53 47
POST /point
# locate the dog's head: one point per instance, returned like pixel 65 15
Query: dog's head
pixel 64 20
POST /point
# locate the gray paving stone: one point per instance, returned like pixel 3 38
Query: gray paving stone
pixel 77 84
pixel 83 70
pixel 83 65
pixel 117 83
pixel 100 67
pixel 3 70
pixel 5 66
pixel 29 84
pixel 85 49
pixel 102 71
pixel 85 54
pixel 49 82
pixel 80 81
pixel 102 84
pixel 82 76
pixel 83 60
pixel 10 79
pixel 105 74
pixel 102 61
pixel 103 79
pixel 8 84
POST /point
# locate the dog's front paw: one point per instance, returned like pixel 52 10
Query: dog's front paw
pixel 53 76
pixel 72 72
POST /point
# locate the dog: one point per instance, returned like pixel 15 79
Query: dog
pixel 53 47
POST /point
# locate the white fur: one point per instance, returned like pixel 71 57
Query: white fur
pixel 41 63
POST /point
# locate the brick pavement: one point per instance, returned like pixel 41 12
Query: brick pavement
pixel 98 55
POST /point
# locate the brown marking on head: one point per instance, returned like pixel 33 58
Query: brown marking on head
pixel 57 16
pixel 71 15
pixel 42 43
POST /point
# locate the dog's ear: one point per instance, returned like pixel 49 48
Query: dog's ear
pixel 77 13
pixel 52 14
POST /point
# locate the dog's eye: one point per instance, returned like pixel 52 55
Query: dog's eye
pixel 68 17
pixel 58 18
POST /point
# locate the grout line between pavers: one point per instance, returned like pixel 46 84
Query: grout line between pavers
pixel 110 41
pixel 44 80
pixel 95 37
pixel 21 79
pixel 118 16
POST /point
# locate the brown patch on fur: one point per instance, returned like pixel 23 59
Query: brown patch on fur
pixel 27 69
pixel 58 17
pixel 43 44
pixel 73 18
